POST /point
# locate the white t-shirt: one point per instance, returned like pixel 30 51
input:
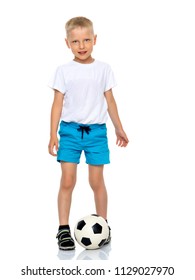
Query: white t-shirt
pixel 83 86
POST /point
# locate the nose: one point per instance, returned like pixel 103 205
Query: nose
pixel 81 45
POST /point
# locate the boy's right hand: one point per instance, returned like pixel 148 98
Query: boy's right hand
pixel 53 145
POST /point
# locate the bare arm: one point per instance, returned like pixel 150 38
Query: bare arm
pixel 54 122
pixel 122 139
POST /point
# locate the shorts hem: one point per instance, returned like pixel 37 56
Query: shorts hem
pixel 97 163
pixel 70 161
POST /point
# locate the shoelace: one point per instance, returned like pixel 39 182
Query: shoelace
pixel 83 129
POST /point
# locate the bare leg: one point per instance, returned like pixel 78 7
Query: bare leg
pixel 68 181
pixel 96 181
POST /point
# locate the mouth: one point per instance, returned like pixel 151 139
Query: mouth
pixel 82 52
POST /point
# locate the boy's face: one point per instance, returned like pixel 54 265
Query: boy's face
pixel 81 41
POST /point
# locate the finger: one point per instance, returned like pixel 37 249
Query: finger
pixel 121 142
pixel 53 154
pixel 125 142
pixel 51 150
pixel 118 142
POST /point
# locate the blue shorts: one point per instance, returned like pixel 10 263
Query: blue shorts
pixel 75 138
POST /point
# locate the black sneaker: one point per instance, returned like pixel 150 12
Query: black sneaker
pixel 65 240
pixel 109 237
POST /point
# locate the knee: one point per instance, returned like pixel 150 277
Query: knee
pixel 67 184
pixel 96 183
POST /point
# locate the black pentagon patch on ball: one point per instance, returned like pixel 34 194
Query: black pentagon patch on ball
pixel 81 224
pixel 86 241
pixel 97 228
pixel 102 243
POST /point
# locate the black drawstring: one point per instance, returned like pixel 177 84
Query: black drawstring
pixel 82 129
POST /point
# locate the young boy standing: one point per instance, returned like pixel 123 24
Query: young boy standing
pixel 82 97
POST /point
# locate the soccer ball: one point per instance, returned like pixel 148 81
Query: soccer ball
pixel 91 232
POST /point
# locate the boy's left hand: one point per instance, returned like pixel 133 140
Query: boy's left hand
pixel 122 139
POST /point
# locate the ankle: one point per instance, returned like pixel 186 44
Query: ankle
pixel 63 227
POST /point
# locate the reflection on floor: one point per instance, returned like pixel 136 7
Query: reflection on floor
pixel 99 254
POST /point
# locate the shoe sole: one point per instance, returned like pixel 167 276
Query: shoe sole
pixel 67 248
pixel 107 241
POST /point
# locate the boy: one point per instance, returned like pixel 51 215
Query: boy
pixel 82 98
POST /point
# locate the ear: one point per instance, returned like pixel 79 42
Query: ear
pixel 67 43
pixel 94 39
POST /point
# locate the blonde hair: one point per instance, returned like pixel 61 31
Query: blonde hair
pixel 78 22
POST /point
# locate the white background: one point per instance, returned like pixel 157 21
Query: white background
pixel 150 46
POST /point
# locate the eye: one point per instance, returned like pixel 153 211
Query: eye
pixel 87 40
pixel 75 42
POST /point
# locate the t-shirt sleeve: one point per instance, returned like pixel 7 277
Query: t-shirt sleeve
pixel 110 79
pixel 57 81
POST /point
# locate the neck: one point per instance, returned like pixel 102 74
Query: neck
pixel 86 61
